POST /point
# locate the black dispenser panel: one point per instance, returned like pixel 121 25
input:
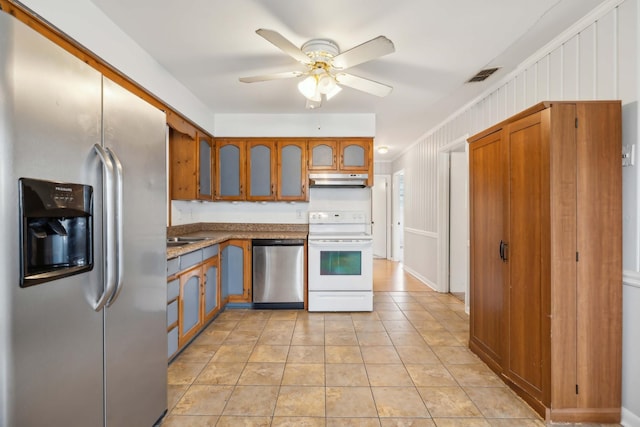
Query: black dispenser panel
pixel 56 234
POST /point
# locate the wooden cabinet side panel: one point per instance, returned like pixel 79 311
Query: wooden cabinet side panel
pixel 183 167
pixel 487 291
pixel 599 295
pixel 563 255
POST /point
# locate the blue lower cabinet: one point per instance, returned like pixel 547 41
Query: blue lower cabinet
pixel 172 342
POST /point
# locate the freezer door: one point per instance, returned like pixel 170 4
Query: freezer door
pixel 136 324
pixel 50 337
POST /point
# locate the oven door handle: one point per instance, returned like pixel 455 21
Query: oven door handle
pixel 347 242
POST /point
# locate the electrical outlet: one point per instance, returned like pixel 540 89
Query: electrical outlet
pixel 299 213
pixel 628 155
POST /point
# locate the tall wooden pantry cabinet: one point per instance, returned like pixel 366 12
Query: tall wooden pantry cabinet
pixel 546 257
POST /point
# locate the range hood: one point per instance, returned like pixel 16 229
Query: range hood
pixel 334 180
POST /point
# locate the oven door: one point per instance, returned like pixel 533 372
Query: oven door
pixel 340 265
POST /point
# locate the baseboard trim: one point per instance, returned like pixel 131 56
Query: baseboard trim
pixel 420 277
pixel 629 419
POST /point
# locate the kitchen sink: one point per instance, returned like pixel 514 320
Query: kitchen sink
pixel 175 244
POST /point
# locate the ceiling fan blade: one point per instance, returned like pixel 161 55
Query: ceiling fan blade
pixel 284 45
pixel 367 51
pixel 274 76
pixel 364 85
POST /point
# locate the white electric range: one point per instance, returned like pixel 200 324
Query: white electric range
pixel 340 261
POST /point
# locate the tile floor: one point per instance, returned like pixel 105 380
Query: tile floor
pixel 404 364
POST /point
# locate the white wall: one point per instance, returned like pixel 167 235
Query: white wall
pixel 595 59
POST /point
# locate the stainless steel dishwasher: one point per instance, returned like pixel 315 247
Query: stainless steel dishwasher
pixel 278 273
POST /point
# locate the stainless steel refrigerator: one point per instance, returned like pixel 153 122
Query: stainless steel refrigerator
pixel 87 347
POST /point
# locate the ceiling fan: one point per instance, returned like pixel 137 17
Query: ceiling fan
pixel 325 66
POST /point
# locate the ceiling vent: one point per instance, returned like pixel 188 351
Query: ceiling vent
pixel 483 75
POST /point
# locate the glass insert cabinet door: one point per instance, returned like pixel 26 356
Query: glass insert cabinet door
pixel 340 263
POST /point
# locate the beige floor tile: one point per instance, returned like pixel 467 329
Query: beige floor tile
pixel 340 338
pixel 190 421
pixel 424 325
pixel 174 393
pixel 261 373
pixel 406 338
pixel 276 337
pixel 203 400
pixel 339 325
pixel 398 325
pixel 180 373
pixel 380 354
pixel 455 355
pixel 306 354
pixel 220 373
pixel 298 422
pixel 373 338
pixel 342 354
pixel 242 337
pixel 252 401
pixel 409 306
pixel 390 315
pixel 417 355
pixel 353 422
pixel 368 326
pixel 435 375
pixel 285 315
pixel 198 353
pixel 303 374
pixel 416 317
pixel 300 401
pixel 250 325
pixel 222 325
pixel 364 315
pixel 233 353
pixel 478 375
pixel 388 375
pixel 512 422
pixel 399 402
pixel 462 422
pixel 211 337
pixel 346 374
pixel 448 402
pixel 269 353
pixel 406 422
pixel 350 402
pixel 386 306
pixel 304 338
pixel 499 402
pixel 235 421
pixel 439 338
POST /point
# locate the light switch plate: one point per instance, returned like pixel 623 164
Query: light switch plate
pixel 628 155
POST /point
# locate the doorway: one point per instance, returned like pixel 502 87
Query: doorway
pixel 398 216
pixel 453 220
pixel 380 224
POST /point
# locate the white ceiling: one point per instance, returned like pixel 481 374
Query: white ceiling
pixel 208 44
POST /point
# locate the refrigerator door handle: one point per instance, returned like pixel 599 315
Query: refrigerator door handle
pixel 109 227
pixel 119 196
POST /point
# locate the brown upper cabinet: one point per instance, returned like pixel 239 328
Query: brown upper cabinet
pixel 347 155
pixel 291 169
pixel 230 169
pixel 259 169
pixel 190 169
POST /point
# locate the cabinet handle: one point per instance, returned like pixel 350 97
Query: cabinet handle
pixel 273 189
pixel 303 189
pixel 503 251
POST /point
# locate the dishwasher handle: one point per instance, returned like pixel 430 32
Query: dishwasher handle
pixel 278 242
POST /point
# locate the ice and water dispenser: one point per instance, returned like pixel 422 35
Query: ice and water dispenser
pixel 56 233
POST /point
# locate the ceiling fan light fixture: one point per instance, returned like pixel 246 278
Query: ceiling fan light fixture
pixel 308 87
pixel 336 90
pixel 326 83
pixel 383 149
